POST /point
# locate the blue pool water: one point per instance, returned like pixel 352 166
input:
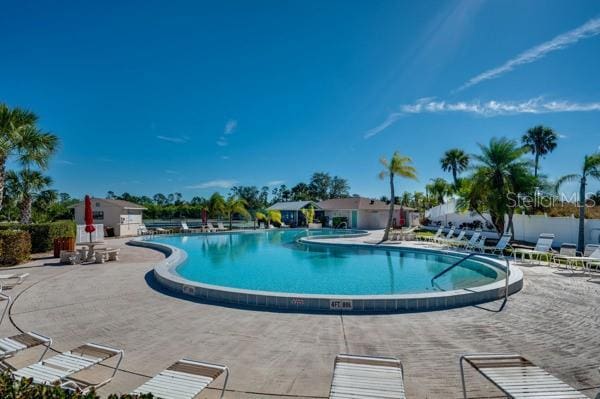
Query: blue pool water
pixel 275 261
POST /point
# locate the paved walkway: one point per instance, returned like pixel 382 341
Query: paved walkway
pixel 554 321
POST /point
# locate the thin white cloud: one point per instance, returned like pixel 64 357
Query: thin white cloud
pixel 230 126
pixel 390 120
pixel 171 172
pixel 222 183
pixel 564 40
pixel 225 157
pixel 174 139
pixel 497 108
pixel 64 162
pixel 490 108
pixel 275 182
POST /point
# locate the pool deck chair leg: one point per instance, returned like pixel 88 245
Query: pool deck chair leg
pixel 517 377
pixel 367 377
pixel 184 379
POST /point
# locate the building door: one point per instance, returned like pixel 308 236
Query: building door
pixel 354 219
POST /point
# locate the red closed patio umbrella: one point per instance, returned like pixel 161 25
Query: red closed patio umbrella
pixel 89 217
pixel 204 216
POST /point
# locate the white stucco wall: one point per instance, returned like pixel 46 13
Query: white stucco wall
pixel 125 222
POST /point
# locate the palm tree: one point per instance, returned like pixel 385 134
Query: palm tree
pixel 235 205
pixel 397 165
pixel 499 176
pixel 439 189
pixel 539 140
pixel 216 205
pixel 456 161
pixel 12 123
pixel 590 169
pixel 24 186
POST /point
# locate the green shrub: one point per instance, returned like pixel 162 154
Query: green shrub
pixel 10 388
pixel 15 247
pixel 43 234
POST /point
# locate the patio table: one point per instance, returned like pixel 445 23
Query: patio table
pixel 90 248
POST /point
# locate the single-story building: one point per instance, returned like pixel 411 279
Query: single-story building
pixel 123 217
pixel 291 211
pixel 364 213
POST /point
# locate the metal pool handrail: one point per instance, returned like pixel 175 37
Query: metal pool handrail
pixel 472 254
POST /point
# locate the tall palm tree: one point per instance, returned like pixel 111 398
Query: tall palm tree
pixel 456 161
pixel 539 140
pixel 19 136
pixel 24 186
pixel 397 165
pixel 499 176
pixel 590 169
pixel 235 205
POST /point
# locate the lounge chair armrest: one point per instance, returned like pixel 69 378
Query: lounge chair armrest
pixel 41 337
pixel 107 348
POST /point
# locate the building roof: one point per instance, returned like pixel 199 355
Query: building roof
pixel 118 203
pixel 292 206
pixel 356 203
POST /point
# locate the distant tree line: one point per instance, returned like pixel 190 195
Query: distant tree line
pixel 321 186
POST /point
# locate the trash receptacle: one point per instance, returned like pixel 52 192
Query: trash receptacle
pixel 63 243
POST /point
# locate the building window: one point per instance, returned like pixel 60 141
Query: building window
pixel 98 215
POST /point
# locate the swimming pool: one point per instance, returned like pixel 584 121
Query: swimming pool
pixel 275 261
pixel 284 269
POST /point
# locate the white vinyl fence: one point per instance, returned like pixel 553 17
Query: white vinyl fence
pixel 83 236
pixel 528 228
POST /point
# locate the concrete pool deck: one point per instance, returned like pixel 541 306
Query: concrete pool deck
pixel 554 321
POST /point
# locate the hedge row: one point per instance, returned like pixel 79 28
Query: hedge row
pixel 15 247
pixel 10 388
pixel 43 234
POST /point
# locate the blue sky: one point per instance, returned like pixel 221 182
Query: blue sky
pixel 192 97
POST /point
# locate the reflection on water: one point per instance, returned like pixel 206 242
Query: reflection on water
pixel 274 261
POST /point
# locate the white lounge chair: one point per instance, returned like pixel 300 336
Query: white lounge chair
pixel 543 247
pixel 501 245
pixel 10 280
pixel 517 377
pixel 143 230
pixel 446 237
pixel 58 369
pixel 467 244
pixel 437 234
pixel 566 253
pixel 10 346
pixel 186 229
pixel 591 255
pixel 184 379
pixel 456 240
pixel 367 377
pixel 478 246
